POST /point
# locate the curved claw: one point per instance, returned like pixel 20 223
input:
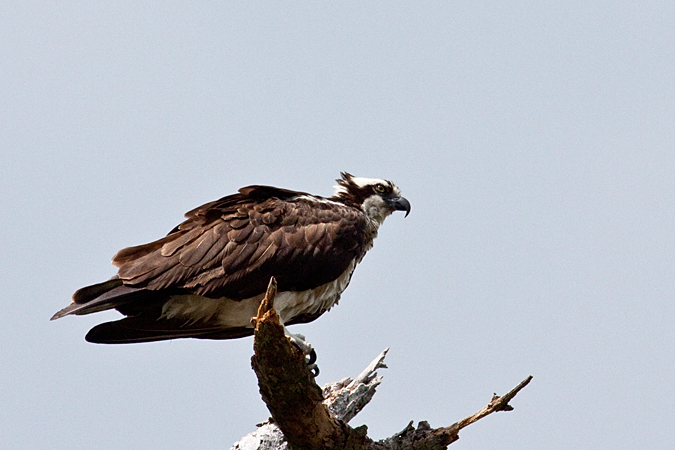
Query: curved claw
pixel 311 358
pixel 311 364
pixel 301 344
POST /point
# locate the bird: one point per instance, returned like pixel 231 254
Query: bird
pixel 207 277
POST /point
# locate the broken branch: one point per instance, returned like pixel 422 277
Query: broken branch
pixel 307 421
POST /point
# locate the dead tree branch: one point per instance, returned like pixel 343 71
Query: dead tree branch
pixel 424 437
pixel 305 417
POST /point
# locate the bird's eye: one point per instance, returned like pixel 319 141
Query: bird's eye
pixel 379 188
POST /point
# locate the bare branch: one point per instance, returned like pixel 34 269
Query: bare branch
pixel 346 398
pixel 424 437
pixel 496 404
pixel 305 417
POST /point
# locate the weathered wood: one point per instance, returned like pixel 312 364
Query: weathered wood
pixel 288 388
pixel 306 417
pixel 424 437
pixel 344 399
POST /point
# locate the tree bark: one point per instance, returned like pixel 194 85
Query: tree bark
pixel 306 417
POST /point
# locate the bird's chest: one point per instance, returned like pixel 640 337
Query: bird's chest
pixel 290 304
pixel 229 313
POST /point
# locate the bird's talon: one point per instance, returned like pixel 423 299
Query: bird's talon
pixel 311 357
pixel 313 370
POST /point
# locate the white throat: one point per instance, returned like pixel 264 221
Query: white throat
pixel 376 209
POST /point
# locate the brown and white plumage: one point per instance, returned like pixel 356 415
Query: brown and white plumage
pixel 206 278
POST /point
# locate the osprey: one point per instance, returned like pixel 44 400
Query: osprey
pixel 206 278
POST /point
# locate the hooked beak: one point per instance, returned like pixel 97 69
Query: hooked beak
pixel 400 204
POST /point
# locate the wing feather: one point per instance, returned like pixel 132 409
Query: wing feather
pixel 180 240
pixel 230 247
pixel 296 237
pixel 241 259
pixel 257 233
pixel 198 248
pixel 215 252
pixel 264 252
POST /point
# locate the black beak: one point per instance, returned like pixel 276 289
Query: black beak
pixel 400 204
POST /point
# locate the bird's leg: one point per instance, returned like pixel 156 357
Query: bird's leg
pixel 306 348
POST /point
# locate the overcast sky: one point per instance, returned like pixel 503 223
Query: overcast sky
pixel 534 140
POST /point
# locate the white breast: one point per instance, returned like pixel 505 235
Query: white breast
pixel 230 314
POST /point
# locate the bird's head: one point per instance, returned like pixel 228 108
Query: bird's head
pixel 376 198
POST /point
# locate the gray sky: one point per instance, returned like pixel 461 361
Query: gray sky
pixel 534 141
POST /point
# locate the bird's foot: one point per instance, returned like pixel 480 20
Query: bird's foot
pixel 298 340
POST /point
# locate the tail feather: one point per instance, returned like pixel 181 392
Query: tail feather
pixel 144 329
pixel 145 321
pixel 87 293
pixel 100 297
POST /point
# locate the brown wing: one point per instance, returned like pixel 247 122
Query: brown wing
pixel 232 246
